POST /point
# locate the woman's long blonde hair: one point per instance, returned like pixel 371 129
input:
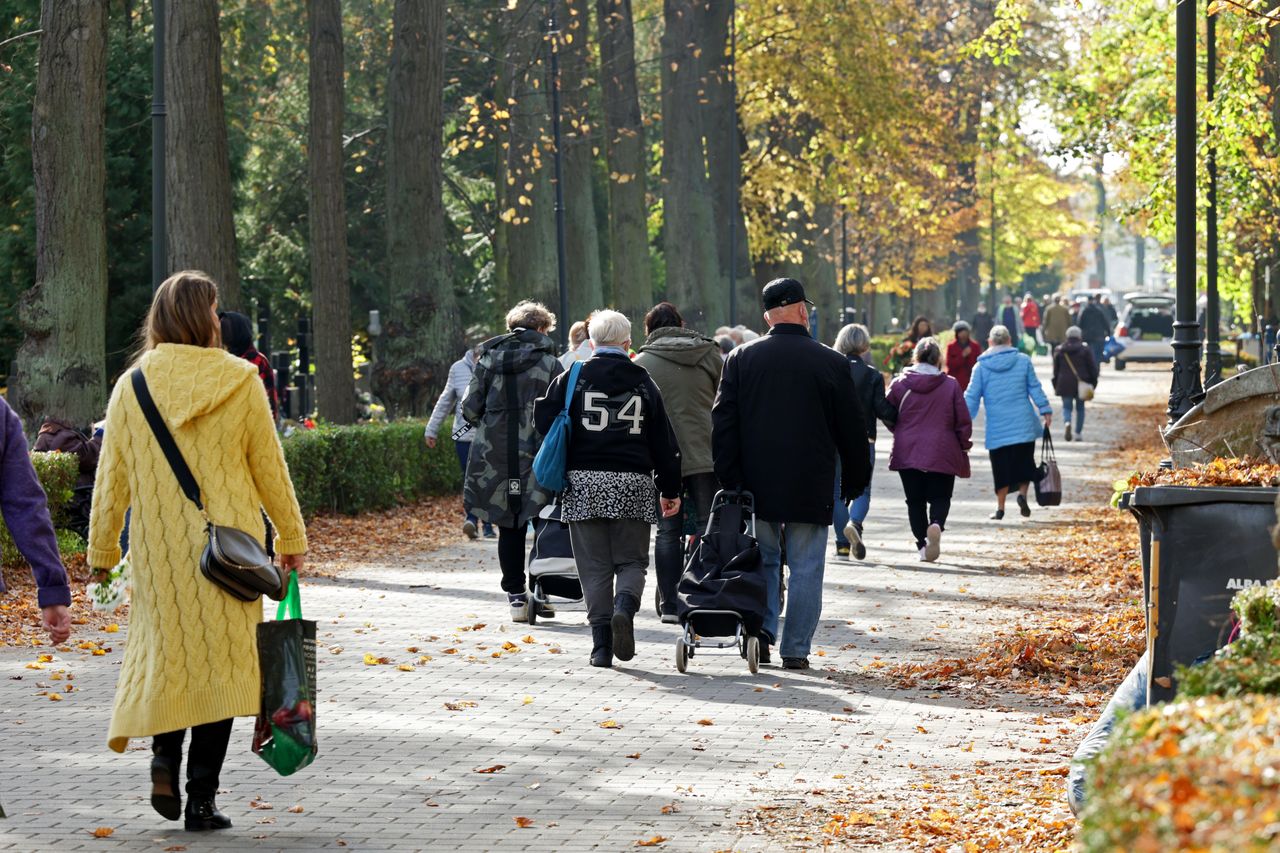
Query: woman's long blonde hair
pixel 181 313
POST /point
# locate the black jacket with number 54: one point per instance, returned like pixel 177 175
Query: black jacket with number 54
pixel 617 421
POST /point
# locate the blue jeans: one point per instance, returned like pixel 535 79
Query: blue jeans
pixel 464 452
pixel 806 555
pixel 1078 404
pixel 855 511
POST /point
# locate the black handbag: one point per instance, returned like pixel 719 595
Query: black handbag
pixel 233 559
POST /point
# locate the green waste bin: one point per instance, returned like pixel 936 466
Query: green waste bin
pixel 1202 545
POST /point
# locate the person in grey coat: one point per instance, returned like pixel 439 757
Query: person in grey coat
pixel 455 388
pixel 512 372
pixel 686 367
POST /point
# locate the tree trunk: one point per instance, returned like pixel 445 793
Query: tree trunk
pixel 330 286
pixel 625 151
pixel 198 178
pixel 1100 250
pixel 582 237
pixel 693 270
pixel 725 144
pixel 526 196
pixel 423 328
pixel 60 368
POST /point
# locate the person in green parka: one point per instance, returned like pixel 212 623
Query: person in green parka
pixel 512 372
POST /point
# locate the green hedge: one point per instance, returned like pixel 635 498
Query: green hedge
pixel 370 466
pixel 1252 663
pixel 57 473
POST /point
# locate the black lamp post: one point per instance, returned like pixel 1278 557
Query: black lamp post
pixel 1213 347
pixel 844 271
pixel 1185 388
pixel 733 158
pixel 159 233
pixel 553 32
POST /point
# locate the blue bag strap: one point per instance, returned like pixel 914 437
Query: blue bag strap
pixel 572 385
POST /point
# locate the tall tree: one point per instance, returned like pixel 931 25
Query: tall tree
pixel 693 268
pixel 198 175
pixel 582 238
pixel 525 243
pixel 61 364
pixel 330 286
pixel 630 264
pixel 724 157
pixel 423 327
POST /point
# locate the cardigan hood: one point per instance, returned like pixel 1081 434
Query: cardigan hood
pixel 682 346
pixel 188 382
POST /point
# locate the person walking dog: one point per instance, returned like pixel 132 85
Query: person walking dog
pixel 686 367
pixel 512 372
pixel 786 408
pixel 1075 375
pixel 1016 403
pixel 620 443
pixel 192 657
pixel 854 341
pixel 931 444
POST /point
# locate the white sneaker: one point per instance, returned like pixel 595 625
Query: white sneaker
pixel 1079 437
pixel 469 529
pixel 923 558
pixel 933 543
pixel 519 608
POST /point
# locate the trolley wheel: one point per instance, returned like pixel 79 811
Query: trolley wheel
pixel 753 654
pixel 682 655
pixel 1119 364
pixel 532 608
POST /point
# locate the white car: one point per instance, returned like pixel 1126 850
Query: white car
pixel 1145 329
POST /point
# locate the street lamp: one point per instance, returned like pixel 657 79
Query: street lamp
pixel 1185 387
pixel 553 32
pixel 1213 347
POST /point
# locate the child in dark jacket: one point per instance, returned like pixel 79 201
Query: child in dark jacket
pixel 620 442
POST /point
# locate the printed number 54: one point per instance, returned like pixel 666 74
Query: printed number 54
pixel 596 416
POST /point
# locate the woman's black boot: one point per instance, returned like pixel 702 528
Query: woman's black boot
pixel 601 645
pixel 203 815
pixel 166 798
pixel 623 626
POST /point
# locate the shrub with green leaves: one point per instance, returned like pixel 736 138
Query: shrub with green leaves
pixel 57 473
pixel 367 467
pixel 1252 663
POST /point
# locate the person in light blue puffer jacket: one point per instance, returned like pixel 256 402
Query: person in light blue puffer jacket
pixel 1018 412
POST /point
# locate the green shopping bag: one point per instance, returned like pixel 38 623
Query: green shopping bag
pixel 285 733
pixel 1027 344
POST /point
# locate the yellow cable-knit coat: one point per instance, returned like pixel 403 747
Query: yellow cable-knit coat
pixel 192 652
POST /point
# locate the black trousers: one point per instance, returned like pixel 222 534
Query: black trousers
pixel 669 545
pixel 511 554
pixel 928 500
pixel 205 755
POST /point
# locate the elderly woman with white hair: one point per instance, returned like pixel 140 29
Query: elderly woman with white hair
pixel 853 342
pixel 620 443
pixel 1016 404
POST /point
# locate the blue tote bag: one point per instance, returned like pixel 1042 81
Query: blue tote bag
pixel 549 464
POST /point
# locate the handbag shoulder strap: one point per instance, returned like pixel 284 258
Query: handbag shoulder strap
pixel 168 446
pixel 571 385
pixel 1066 356
pixel 1046 447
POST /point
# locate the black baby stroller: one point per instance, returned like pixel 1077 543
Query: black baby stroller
pixel 552 570
pixel 723 591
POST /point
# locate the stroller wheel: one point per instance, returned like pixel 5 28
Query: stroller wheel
pixel 753 654
pixel 682 655
pixel 533 606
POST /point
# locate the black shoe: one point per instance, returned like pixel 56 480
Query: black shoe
pixel 1023 507
pixel 765 657
pixel 601 645
pixel 998 515
pixel 203 815
pixel 795 663
pixel 624 635
pixel 166 797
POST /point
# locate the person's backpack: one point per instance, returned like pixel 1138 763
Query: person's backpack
pixel 549 464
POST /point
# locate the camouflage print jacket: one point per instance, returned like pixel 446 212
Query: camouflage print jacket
pixel 512 372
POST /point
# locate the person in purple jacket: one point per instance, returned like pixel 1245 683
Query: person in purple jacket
pixel 26 514
pixel 931 441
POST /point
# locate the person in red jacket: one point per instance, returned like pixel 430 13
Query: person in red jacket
pixel 962 354
pixel 1030 315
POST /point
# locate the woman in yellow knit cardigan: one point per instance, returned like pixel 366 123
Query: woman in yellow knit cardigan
pixel 191 660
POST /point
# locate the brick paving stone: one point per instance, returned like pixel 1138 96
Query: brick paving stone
pixel 397 768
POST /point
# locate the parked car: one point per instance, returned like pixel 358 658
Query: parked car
pixel 1145 329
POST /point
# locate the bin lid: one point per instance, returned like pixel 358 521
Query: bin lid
pixel 1157 496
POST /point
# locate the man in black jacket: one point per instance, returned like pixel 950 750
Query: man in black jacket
pixel 1096 327
pixel 785 410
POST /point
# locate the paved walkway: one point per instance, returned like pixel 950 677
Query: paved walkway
pixel 594 759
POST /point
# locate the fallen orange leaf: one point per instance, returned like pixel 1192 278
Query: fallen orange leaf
pixel 103 832
pixel 652 842
pixel 610 724
pixel 492 769
pixel 524 822
pixel 706 723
